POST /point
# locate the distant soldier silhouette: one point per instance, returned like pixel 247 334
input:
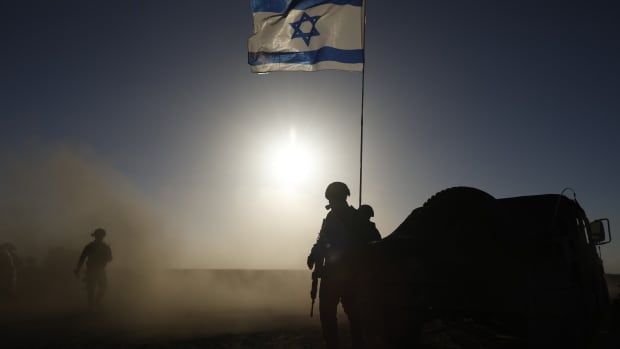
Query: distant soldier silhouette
pixel 97 255
pixel 8 270
pixel 343 235
pixel 366 212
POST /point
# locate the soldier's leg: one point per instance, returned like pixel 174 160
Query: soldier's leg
pixel 90 289
pixel 102 283
pixel 329 298
pixel 351 308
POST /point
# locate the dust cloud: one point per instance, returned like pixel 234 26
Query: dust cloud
pixel 52 198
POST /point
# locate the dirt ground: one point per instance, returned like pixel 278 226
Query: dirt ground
pixel 196 309
pixel 180 309
pixel 84 330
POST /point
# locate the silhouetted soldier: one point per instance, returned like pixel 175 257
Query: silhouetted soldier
pixel 340 241
pixel 97 255
pixel 366 212
pixel 372 322
pixel 8 270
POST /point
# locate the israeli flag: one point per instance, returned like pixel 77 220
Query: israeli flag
pixel 307 35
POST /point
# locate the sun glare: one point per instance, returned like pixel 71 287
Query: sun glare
pixel 292 163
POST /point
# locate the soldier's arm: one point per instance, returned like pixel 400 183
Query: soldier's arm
pixel 313 255
pixel 315 252
pixel 9 257
pixel 11 264
pixel 82 259
pixel 109 254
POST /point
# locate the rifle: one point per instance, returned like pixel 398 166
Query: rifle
pixel 315 285
pixel 319 267
pixel 316 275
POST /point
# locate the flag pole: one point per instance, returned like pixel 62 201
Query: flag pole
pixel 362 108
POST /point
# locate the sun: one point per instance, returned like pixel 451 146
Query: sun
pixel 292 163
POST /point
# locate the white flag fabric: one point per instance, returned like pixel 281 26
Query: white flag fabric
pixel 307 35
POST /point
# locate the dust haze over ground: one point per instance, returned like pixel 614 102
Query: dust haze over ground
pixel 147 307
pixel 52 198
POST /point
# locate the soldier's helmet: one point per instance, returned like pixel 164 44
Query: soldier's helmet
pixel 99 232
pixel 337 191
pixel 366 211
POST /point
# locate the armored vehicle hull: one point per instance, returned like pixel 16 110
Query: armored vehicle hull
pixel 524 266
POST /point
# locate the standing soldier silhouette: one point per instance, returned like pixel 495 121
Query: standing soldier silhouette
pixel 97 255
pixel 342 237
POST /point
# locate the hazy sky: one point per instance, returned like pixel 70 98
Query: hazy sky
pixel 514 97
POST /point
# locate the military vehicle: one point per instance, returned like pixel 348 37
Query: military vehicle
pixel 519 272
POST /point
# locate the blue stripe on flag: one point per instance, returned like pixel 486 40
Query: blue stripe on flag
pixel 282 6
pixel 307 57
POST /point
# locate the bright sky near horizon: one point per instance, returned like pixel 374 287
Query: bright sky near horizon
pixel 513 97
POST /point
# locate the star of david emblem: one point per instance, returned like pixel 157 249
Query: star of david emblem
pixel 299 31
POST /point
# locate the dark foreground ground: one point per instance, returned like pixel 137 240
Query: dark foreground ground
pixel 199 309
